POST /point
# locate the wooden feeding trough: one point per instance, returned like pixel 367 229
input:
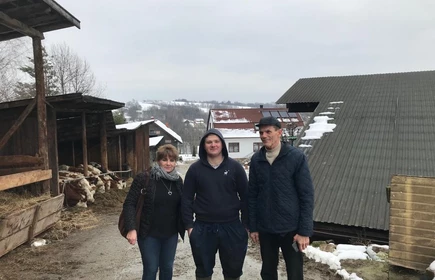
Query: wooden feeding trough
pixel 23 225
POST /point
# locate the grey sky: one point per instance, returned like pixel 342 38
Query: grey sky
pixel 249 51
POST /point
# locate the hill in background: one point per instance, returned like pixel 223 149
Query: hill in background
pixel 176 113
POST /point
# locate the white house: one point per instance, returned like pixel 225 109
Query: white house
pixel 238 127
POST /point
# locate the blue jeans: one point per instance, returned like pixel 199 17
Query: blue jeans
pixel 230 239
pixel 158 253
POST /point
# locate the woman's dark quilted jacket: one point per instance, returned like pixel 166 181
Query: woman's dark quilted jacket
pixel 281 195
pixel 147 211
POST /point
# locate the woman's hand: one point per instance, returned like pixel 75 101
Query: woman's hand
pixel 132 237
pixel 189 231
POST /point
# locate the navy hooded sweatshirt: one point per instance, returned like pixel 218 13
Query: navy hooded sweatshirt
pixel 214 195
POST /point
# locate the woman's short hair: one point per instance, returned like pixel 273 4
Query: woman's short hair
pixel 167 150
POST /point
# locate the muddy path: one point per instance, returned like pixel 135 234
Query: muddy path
pixel 101 253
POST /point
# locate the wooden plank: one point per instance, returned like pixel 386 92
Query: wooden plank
pixel 17 123
pixel 84 145
pixel 412 206
pixel 13 241
pixel 16 222
pixel 422 216
pixel 400 188
pixel 405 229
pixel 412 197
pixel 416 257
pixel 19 161
pixel 9 171
pixel 24 178
pixel 19 26
pixel 103 142
pixel 64 13
pixel 424 250
pixel 411 222
pixel 50 206
pixel 412 181
pixel 407 239
pixel 46 223
pixel 407 263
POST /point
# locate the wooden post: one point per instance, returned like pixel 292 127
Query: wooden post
pixel 73 154
pixel 146 144
pixel 103 142
pixel 119 153
pixel 84 145
pixel 40 106
pixel 139 149
pixel 53 156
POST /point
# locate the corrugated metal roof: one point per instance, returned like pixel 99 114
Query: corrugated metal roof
pixel 385 126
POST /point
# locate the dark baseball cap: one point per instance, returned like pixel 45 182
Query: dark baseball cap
pixel 269 121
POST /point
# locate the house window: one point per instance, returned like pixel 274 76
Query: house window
pixel 154 132
pixel 168 141
pixel 257 146
pixel 233 147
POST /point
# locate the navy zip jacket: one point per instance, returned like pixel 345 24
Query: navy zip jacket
pixel 214 195
pixel 281 195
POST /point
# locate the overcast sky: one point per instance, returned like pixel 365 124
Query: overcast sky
pixel 248 51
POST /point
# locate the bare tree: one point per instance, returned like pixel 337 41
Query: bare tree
pixel 74 73
pixel 12 54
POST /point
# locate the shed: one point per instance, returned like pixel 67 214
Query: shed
pixel 384 125
pixel 412 221
pixel 17 19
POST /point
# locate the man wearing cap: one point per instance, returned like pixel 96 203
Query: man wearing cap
pixel 281 202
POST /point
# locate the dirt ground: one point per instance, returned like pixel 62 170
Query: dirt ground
pixel 86 245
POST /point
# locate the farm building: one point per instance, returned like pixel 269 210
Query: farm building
pixel 382 125
pixel 28 139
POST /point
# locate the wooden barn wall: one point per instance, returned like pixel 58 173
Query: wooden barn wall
pixel 113 152
pixel 412 222
pixel 25 140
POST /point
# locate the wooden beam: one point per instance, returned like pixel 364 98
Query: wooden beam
pixel 119 153
pixel 103 142
pixel 147 147
pixel 8 171
pixel 53 158
pixel 19 26
pixel 20 161
pixel 17 123
pixel 25 178
pixel 64 13
pixel 84 145
pixel 41 107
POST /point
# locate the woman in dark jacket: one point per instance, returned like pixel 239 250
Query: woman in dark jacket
pixel 160 221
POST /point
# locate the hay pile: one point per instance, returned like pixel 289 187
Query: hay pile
pixel 11 202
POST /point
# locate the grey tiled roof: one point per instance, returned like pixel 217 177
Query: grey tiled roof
pixel 385 126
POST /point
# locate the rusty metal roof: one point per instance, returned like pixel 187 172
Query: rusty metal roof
pixel 20 18
pixel 385 125
pixel 246 118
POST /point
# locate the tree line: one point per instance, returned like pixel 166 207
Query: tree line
pixel 64 72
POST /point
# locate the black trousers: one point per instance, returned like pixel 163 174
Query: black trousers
pixel 230 239
pixel 269 247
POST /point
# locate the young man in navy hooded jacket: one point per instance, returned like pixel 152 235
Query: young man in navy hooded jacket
pixel 215 189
